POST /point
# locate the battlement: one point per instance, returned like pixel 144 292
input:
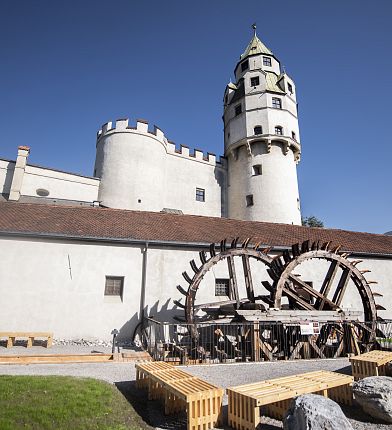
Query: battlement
pixel 142 127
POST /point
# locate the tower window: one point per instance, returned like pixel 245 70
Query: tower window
pixel 267 61
pixel 293 135
pixel 222 287
pixel 249 200
pixel 279 130
pixel 254 81
pixel 238 110
pixel 256 170
pixel 244 65
pixel 276 103
pixel 114 286
pixel 226 99
pixel 200 194
pixel 290 88
pixel 258 130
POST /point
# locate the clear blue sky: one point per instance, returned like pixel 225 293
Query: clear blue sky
pixel 69 66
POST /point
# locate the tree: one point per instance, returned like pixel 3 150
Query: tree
pixel 312 221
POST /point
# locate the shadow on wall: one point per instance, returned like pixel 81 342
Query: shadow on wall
pixel 8 179
pixel 161 313
pixel 221 179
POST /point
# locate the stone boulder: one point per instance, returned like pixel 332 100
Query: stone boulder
pixel 374 395
pixel 314 412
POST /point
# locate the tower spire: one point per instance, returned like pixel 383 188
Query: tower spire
pixel 254 29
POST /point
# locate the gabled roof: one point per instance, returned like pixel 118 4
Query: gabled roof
pixel 87 223
pixel 256 46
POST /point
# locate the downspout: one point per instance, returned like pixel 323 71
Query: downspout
pixel 142 316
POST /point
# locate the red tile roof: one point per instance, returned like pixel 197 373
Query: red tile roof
pixel 116 224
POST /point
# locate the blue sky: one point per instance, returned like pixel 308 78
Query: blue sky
pixel 67 67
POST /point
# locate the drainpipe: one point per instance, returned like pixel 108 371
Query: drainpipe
pixel 143 289
pixel 17 179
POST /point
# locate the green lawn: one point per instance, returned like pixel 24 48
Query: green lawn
pixel 61 402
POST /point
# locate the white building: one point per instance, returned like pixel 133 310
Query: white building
pixel 255 180
pixel 81 255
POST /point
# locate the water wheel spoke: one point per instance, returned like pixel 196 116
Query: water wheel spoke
pixel 341 288
pixel 327 284
pixel 233 286
pixel 293 296
pixel 248 278
pixel 312 291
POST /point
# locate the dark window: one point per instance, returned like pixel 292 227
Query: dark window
pixel 42 192
pixel 279 130
pixel 238 110
pixel 114 286
pixel 244 65
pixel 226 99
pixel 276 103
pixel 200 194
pixel 222 287
pixel 254 81
pixel 249 200
pixel 267 61
pixel 257 170
pixel 293 135
pixel 290 88
pixel 258 130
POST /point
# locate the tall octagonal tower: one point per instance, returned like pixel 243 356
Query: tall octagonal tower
pixel 262 142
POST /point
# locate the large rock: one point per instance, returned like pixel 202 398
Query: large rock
pixel 314 412
pixel 374 394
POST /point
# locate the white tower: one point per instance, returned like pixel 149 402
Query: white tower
pixel 262 139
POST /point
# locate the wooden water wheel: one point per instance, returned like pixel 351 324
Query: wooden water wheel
pixel 302 297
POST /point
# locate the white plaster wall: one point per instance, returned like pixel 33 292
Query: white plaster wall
pixel 256 62
pixel 60 185
pixel 41 293
pixel 183 176
pixel 133 168
pixel 6 173
pixel 275 191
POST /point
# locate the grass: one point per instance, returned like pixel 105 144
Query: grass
pixel 64 403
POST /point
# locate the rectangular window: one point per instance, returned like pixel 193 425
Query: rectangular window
pixel 257 170
pixel 249 200
pixel 244 65
pixel 254 81
pixel 290 88
pixel 114 286
pixel 293 135
pixel 222 287
pixel 276 103
pixel 200 194
pixel 267 61
pixel 279 130
pixel 238 110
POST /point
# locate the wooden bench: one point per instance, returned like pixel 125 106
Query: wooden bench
pixel 373 363
pixel 31 336
pixel 182 391
pixel 275 395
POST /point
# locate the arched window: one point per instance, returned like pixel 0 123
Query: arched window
pixel 279 130
pixel 258 129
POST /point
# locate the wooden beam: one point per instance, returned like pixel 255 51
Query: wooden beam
pixel 233 286
pixel 327 284
pixel 248 278
pixel 341 288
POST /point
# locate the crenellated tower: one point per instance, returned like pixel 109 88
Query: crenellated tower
pixel 262 142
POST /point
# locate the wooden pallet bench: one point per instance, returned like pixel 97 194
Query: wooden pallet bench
pixel 182 391
pixel 373 363
pixel 30 336
pixel 272 397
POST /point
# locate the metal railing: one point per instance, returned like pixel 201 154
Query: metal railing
pixel 261 341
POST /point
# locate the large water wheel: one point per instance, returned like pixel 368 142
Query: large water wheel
pixel 285 289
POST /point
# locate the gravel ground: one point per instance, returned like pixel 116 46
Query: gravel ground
pixel 123 376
